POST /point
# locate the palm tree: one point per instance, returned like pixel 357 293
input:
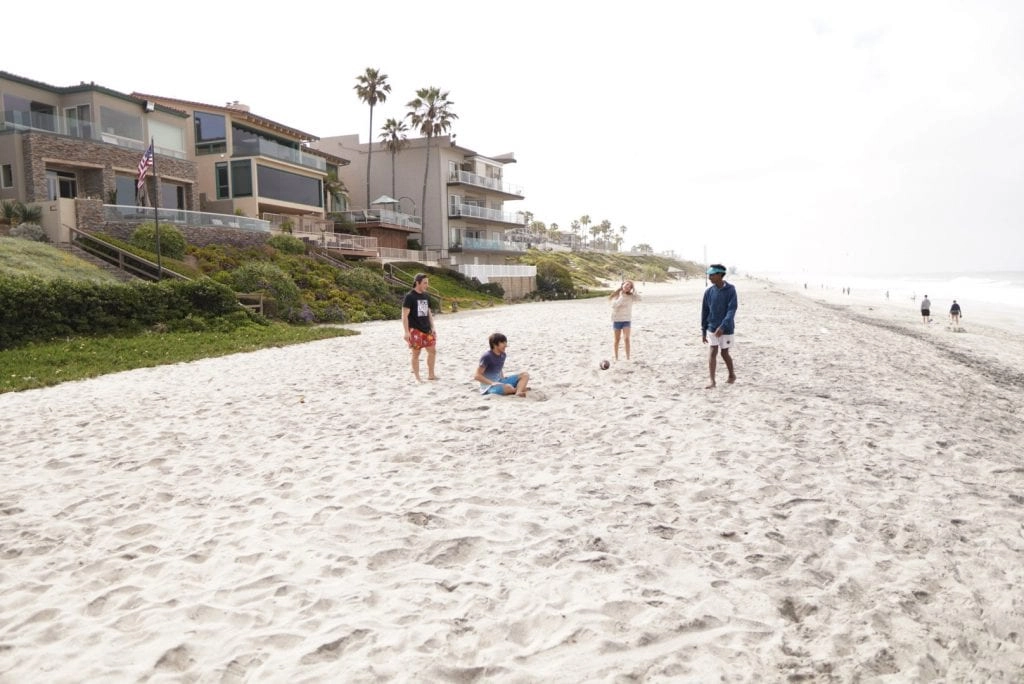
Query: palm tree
pixel 431 114
pixel 372 87
pixel 394 138
pixel 575 227
pixel 334 189
pixel 585 221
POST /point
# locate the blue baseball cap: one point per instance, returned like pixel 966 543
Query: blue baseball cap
pixel 715 269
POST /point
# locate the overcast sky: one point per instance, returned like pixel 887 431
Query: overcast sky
pixel 855 137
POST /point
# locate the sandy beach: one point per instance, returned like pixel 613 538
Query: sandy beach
pixel 852 509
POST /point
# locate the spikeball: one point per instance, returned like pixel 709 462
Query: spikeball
pixel 605 365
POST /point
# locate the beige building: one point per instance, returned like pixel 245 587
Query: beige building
pixel 464 220
pixel 250 165
pixel 58 144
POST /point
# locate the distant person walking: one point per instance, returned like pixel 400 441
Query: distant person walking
pixel 718 316
pixel 418 322
pixel 622 314
pixel 926 309
pixel 954 315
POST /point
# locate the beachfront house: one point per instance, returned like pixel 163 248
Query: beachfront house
pixel 59 145
pixel 464 223
pixel 249 165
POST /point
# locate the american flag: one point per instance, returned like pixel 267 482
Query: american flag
pixel 145 164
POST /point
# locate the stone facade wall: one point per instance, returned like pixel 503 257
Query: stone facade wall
pixel 90 220
pixel 94 163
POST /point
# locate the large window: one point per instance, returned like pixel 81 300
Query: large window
pixel 241 178
pixel 223 181
pixel 166 137
pixel 126 191
pixel 121 124
pixel 211 133
pixel 78 120
pixel 172 196
pixel 289 187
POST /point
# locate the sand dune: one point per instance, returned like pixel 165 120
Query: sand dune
pixel 851 510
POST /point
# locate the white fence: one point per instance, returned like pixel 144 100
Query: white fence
pixel 484 272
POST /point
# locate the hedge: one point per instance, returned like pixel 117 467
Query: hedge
pixel 32 309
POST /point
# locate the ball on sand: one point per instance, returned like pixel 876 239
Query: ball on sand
pixel 605 365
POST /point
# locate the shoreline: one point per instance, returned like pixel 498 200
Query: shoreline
pixel 851 507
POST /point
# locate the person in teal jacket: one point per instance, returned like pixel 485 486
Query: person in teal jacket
pixel 718 315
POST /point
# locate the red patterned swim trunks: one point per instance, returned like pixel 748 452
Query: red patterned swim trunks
pixel 421 340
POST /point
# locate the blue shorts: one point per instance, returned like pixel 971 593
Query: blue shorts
pixel 500 388
pixel 619 325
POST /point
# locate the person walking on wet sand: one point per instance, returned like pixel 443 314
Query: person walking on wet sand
pixel 718 316
pixel 418 322
pixel 954 315
pixel 926 310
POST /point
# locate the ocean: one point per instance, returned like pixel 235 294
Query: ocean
pixel 995 295
pixel 996 288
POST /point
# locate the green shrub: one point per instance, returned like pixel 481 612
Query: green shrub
pixel 32 309
pixel 287 244
pixel 260 276
pixel 172 242
pixel 29 231
pixel 554 281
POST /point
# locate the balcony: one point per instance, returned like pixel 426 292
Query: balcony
pixel 457 209
pixel 481 245
pixel 15 120
pixel 384 218
pixel 495 184
pixel 273 150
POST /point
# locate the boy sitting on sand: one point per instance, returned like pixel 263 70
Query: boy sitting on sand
pixel 490 373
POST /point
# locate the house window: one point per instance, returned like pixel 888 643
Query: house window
pixel 172 196
pixel 79 121
pixel 121 125
pixel 211 133
pixel 241 178
pixel 166 137
pixel 289 187
pixel 126 190
pixel 223 181
pixel 61 184
pixel 6 176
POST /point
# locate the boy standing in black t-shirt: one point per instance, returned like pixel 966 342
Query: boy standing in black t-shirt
pixel 418 322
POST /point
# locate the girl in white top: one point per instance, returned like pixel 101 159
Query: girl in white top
pixel 622 313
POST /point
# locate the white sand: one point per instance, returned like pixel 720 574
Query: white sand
pixel 851 510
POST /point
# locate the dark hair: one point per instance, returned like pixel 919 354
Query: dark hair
pixel 718 267
pixel 419 277
pixel 495 339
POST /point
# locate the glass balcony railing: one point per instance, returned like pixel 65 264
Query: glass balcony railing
pixel 269 148
pixel 384 216
pixel 133 214
pixel 481 245
pixel 75 128
pixel 485 182
pixel 459 210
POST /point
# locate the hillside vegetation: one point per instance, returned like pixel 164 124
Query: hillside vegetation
pixel 27 258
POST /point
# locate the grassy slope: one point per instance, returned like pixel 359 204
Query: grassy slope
pixel 23 257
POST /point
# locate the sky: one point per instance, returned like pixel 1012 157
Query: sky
pixel 847 137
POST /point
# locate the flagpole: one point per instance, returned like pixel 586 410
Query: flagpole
pixel 156 216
